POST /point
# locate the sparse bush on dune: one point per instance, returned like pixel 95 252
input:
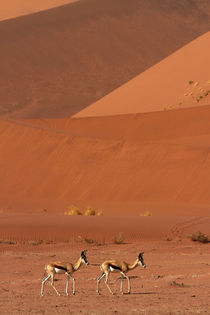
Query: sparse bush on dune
pixel 73 210
pixel 90 211
pixel 145 214
pixel 200 237
pixel 196 92
pixel 100 213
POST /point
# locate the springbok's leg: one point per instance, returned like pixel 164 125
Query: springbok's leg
pixel 74 289
pixel 98 282
pixel 67 284
pixel 106 281
pixel 129 284
pixel 121 285
pixel 43 282
pixel 52 284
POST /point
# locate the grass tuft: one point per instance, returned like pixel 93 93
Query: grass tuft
pixel 145 214
pixel 200 237
pixel 90 211
pixel 176 284
pixel 73 210
pixel 8 242
pixel 33 242
pixel 100 213
pixel 119 239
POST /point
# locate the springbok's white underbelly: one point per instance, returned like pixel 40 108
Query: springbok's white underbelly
pixel 113 269
pixel 57 270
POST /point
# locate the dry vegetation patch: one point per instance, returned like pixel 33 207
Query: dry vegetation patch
pixel 90 211
pixel 146 214
pixel 8 242
pixel 177 284
pixel 119 239
pixel 200 237
pixel 73 210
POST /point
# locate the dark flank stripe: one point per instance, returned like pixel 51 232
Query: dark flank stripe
pixel 60 267
pixel 115 267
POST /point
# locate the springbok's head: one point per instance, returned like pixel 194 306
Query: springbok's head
pixel 141 260
pixel 84 258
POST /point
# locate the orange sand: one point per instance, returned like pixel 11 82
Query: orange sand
pixel 157 162
pixel 182 79
pixel 57 62
pixel 54 64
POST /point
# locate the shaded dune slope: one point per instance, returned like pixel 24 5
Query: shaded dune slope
pixel 178 81
pixel 121 163
pixel 55 63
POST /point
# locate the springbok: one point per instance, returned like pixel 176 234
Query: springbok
pixel 63 268
pixel 119 266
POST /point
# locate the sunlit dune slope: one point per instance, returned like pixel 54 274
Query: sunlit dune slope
pixel 56 62
pixel 180 80
pixel 122 164
pixel 14 8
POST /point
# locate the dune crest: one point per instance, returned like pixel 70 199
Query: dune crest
pixel 57 62
pixel 15 8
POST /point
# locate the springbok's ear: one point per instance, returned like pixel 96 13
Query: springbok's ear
pixel 83 252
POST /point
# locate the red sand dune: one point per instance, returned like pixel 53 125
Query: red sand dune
pixel 127 165
pixel 180 80
pixel 56 62
pixel 157 162
pixel 14 8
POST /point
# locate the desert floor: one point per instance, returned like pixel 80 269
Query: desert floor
pixel 176 280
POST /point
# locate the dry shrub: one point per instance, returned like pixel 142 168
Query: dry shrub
pixel 66 241
pixel 100 213
pixel 119 238
pixel 73 210
pixel 176 284
pixel 90 241
pixel 90 211
pixel 8 242
pixel 145 214
pixel 200 237
pixel 48 242
pixel 33 242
